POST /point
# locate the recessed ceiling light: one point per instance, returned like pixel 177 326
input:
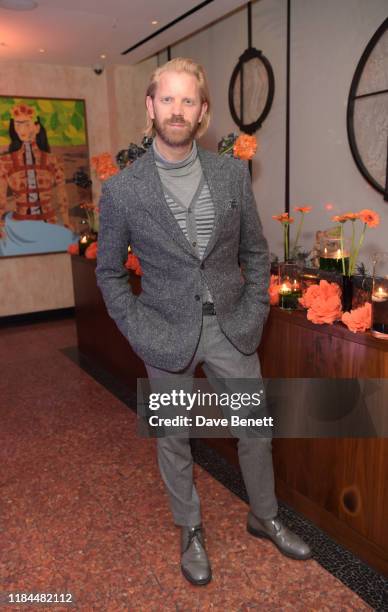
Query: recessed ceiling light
pixel 154 22
pixel 103 56
pixel 18 5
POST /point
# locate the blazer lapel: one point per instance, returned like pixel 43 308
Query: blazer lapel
pixel 212 167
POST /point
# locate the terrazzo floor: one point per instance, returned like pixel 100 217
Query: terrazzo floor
pixel 83 509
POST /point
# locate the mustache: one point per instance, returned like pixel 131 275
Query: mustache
pixel 177 119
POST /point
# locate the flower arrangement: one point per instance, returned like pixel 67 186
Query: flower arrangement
pixel 369 218
pixel 241 147
pixel 104 166
pixel 286 221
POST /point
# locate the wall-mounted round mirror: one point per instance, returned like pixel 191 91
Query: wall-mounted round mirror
pixel 251 90
pixel 367 114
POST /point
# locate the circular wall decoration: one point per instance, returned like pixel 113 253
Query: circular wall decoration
pixel 367 112
pixel 251 90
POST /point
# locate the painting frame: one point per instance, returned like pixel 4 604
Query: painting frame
pixel 44 173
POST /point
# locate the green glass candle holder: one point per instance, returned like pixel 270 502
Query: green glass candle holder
pixel 290 289
pixel 380 296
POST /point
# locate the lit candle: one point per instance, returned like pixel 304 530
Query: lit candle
pixel 285 289
pixel 380 295
pixel 84 239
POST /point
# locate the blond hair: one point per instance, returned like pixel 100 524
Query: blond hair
pixel 181 64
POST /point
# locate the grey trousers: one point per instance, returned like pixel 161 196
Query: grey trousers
pixel 219 358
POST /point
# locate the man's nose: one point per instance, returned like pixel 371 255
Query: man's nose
pixel 178 108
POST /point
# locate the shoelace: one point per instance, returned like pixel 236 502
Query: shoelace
pixel 195 532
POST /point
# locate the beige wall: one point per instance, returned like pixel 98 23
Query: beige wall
pixel 130 85
pixel 35 283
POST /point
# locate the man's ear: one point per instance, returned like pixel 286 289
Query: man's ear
pixel 150 107
pixel 203 111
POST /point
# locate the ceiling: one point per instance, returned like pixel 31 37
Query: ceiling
pixel 78 32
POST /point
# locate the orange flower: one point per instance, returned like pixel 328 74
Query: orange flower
pixel 133 264
pixel 23 111
pixel 340 218
pixel 323 291
pixel 273 290
pixel 303 209
pixel 283 218
pixel 73 248
pixel 350 216
pixel 91 251
pixel 104 166
pixel 245 147
pixel 323 302
pixel 370 217
pixel 325 311
pixel 88 206
pixel 360 319
pixel 311 294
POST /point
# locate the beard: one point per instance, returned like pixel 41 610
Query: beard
pixel 176 137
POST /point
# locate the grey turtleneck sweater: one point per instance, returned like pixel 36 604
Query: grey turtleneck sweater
pixel 180 178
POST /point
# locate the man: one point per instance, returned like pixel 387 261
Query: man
pixel 191 218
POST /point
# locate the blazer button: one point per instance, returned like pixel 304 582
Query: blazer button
pixel 197 297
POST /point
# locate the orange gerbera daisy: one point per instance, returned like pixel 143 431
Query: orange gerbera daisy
pixel 369 217
pixel 340 218
pixel 283 218
pixel 303 209
pixel 351 216
pixel 245 147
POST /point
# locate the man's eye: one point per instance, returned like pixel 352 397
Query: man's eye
pixel 166 99
pixel 189 101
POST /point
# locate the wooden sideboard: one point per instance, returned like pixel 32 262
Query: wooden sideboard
pixel 341 485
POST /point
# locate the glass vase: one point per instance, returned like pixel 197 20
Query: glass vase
pixel 330 254
pixel 380 296
pixel 347 292
pixel 290 289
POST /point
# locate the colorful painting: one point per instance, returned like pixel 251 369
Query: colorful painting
pixel 44 173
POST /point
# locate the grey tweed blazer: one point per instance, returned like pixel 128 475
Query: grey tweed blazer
pixel 164 322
